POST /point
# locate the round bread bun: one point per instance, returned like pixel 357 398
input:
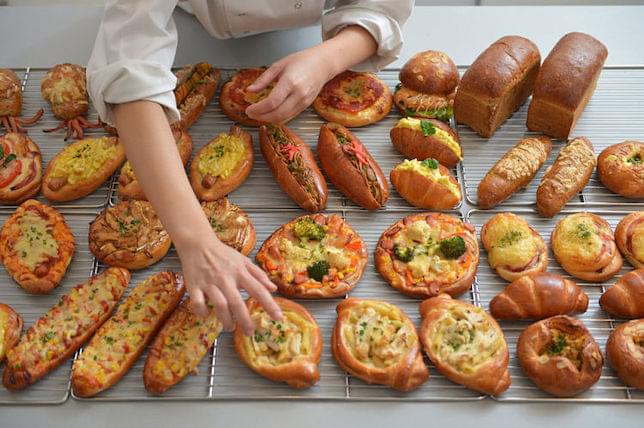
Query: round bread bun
pixel 624 352
pixel 430 72
pixel 231 224
pixel 629 235
pixel 621 168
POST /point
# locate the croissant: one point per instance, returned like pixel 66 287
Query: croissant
pixel 625 299
pixel 629 235
pixel 538 296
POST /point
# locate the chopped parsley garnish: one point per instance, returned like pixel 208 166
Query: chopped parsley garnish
pixel 109 340
pixel 48 336
pixel 216 226
pixel 635 159
pixel 219 151
pixel 557 345
pixel 510 238
pixel 430 163
pixel 342 139
pixel 122 227
pixel 583 231
pixel 258 337
pixel 138 306
pixel 427 128
pixel 1 152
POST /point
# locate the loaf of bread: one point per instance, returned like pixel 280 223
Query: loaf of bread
pixel 565 83
pixel 497 84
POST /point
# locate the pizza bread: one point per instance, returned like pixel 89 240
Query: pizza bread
pixel 629 236
pixel 625 352
pixel 231 224
pixel 235 98
pixel 426 184
pixel 20 168
pixel 427 138
pixel 196 84
pixel 10 329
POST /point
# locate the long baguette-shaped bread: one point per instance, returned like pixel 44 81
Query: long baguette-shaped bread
pixel 539 296
pixel 625 299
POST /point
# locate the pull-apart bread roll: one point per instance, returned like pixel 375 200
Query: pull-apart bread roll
pixel 565 83
pixel 59 333
pixel 426 254
pixel 376 342
pixel 621 168
pixel 20 168
pixel 283 351
pixel 196 84
pixel 11 328
pixel 465 344
pixel 427 86
pixel 222 165
pixel 629 235
pixel 498 82
pixel 314 256
pixel 235 97
pixel 538 296
pixel 566 177
pixel 514 171
pixel 584 246
pixel 426 184
pixel 350 167
pixel 120 341
pixel 625 352
pixel 427 138
pixel 231 224
pixel 625 299
pixel 36 247
pixel 560 356
pixel 292 163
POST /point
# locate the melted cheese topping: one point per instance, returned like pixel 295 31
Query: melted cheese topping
pixel 221 156
pixel 82 160
pixel 433 174
pixel 511 242
pixel 35 243
pixel 440 134
pixel 3 329
pixel 578 237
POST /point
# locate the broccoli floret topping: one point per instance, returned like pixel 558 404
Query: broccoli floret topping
pixel 427 128
pixel 306 228
pixel 404 254
pixel 452 247
pixel 318 269
pixel 430 163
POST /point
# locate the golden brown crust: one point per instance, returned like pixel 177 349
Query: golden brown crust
pixel 231 224
pixel 430 72
pixel 11 90
pixel 625 299
pixel 70 99
pixel 515 170
pixel 413 144
pixel 21 170
pixel 538 296
pixel 428 106
pixel 301 369
pixel 625 352
pixel 196 84
pixel 449 347
pixel 406 373
pixel 621 168
pixel 210 188
pixel 11 325
pixel 629 235
pixel 424 192
pixel 566 177
pixel 560 356
pixel 235 98
pixel 350 167
pixel 498 82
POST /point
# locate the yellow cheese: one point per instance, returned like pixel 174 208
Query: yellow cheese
pixel 82 160
pixel 578 238
pixel 3 329
pixel 433 174
pixel 440 134
pixel 221 156
pixel 512 243
pixel 35 243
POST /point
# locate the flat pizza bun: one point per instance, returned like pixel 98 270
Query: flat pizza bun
pixel 426 254
pixel 36 246
pixel 235 98
pixel 314 256
pixel 376 342
pixel 10 329
pixel 231 224
pixel 284 351
pixel 20 168
pixel 354 99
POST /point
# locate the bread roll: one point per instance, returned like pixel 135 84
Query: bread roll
pixel 625 299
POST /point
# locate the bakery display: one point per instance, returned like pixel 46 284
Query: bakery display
pixel 497 83
pixel 427 138
pixel 81 167
pixel 196 84
pixel 20 168
pixel 566 177
pixel 465 344
pixel 625 352
pixel 583 244
pixel 423 255
pixel 426 184
pixel 11 103
pixel 292 163
pixel 119 342
pixel 625 299
pixel 629 235
pixel 180 345
pixel 283 351
pixel 514 171
pixel 560 356
pixel 231 224
pixel 36 247
pixel 537 296
pixel 514 249
pixel 129 235
pixel 354 99
pixel 620 168
pixel 375 341
pixel 565 83
pixel 314 256
pixel 10 329
pixel 60 332
pixel 222 165
pixel 129 186
pixel 427 86
pixel 65 89
pixel 350 167
pixel 235 97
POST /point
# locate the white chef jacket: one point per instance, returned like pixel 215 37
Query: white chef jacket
pixel 137 39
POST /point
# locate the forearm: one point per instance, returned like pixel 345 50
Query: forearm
pixel 349 47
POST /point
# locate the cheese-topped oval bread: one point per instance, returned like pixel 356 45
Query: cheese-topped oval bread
pixel 625 352
pixel 427 138
pixel 58 334
pixel 629 235
pixel 426 254
pixel 584 246
pixel 10 329
pixel 235 97
pixel 284 351
pixel 426 184
pixel 120 341
pixel 513 248
pixel 376 342
pixel 20 168
pixel 231 224
pixel 36 247
pixel 465 344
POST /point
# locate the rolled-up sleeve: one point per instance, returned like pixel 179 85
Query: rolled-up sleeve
pixel 383 19
pixel 133 56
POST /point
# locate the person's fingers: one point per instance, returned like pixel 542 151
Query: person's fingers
pixel 266 77
pixel 290 108
pixel 197 302
pixel 238 309
pixel 272 101
pixel 222 310
pixel 260 276
pixel 256 290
